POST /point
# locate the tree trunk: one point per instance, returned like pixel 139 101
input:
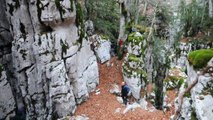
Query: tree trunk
pixel 122 28
pixel 148 55
pixel 137 4
pixel 161 70
pixel 210 8
pixel 123 19
pixel 144 9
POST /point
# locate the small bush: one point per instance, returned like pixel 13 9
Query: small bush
pixel 180 82
pixel 175 80
pixel 188 95
pixel 193 114
pixel 200 58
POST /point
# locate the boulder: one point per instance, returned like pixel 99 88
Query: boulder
pixel 131 107
pixel 135 85
pixel 120 100
pixel 115 89
pixel 103 51
pixel 89 27
pixel 102 48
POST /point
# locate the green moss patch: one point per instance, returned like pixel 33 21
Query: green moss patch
pixel 173 82
pixel 134 38
pixel 200 58
pixel 188 95
pixel 133 57
pixel 140 28
pixel 128 71
pixel 193 114
pixel 104 37
pixel 71 5
pixel 80 23
pixel 60 8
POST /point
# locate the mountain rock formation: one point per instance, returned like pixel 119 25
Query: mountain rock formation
pixel 50 67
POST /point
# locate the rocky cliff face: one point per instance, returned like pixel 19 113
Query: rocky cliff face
pixel 54 67
pixel 7 101
pixel 133 66
pixel 198 103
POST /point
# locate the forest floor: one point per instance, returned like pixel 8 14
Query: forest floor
pixel 103 106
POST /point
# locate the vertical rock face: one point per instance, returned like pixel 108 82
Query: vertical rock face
pixel 198 103
pixel 101 47
pixel 54 71
pixel 133 72
pixel 201 94
pixel 7 102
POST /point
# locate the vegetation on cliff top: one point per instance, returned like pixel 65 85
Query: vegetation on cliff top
pixel 105 15
pixel 200 58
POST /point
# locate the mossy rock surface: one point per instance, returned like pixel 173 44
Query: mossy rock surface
pixel 140 28
pixel 104 37
pixel 200 58
pixel 173 82
pixel 128 71
pixel 133 37
pixel 134 58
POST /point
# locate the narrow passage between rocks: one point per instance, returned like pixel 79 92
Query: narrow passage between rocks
pixel 104 106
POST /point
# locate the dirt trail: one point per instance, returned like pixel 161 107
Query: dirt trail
pixel 103 106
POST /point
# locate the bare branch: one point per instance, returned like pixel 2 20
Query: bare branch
pixel 187 90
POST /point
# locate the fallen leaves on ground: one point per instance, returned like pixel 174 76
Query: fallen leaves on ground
pixel 103 106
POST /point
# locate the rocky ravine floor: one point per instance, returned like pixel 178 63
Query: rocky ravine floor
pixel 103 105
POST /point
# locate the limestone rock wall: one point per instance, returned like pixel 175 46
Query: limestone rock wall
pixel 133 66
pixel 53 70
pixel 101 47
pixel 198 103
pixel 7 102
pixel 201 94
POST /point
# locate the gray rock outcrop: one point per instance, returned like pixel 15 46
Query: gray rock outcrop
pixel 102 48
pixel 198 103
pixel 89 27
pixel 133 72
pixel 54 67
pixel 201 94
pixel 7 102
